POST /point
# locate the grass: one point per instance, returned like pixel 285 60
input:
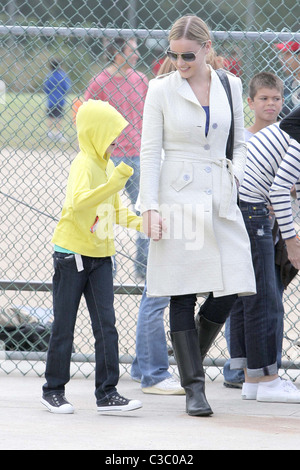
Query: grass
pixel 24 124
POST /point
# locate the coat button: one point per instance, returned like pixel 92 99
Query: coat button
pixel 208 191
pixel 186 177
pixel 208 169
pixel 215 125
pixel 206 147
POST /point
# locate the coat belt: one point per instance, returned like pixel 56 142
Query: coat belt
pixel 228 204
pixel 229 195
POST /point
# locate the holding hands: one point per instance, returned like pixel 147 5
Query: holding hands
pixel 153 225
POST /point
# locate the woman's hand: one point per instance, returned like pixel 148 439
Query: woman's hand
pixel 293 249
pixel 152 225
pixel 271 212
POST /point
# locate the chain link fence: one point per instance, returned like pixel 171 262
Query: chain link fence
pixel 35 163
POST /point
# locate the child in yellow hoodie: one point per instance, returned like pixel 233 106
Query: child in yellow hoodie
pixel 83 246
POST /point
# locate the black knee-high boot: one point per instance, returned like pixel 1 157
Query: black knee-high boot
pixel 207 332
pixel 214 307
pixel 189 362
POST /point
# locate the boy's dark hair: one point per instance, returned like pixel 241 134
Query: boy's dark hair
pixel 114 47
pixel 264 80
pixel 54 64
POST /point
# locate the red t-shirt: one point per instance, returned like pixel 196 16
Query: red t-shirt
pixel 127 95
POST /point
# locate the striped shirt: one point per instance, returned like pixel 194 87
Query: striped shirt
pixel 272 168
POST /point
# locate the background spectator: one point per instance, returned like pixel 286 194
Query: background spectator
pixel 289 58
pixel 56 87
pixel 125 89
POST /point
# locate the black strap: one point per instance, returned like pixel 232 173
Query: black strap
pixel 225 82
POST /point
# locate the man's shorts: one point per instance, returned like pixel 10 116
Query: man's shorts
pixel 55 112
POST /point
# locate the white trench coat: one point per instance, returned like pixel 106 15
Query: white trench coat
pixel 205 247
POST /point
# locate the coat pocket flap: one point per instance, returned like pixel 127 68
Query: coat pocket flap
pixel 184 178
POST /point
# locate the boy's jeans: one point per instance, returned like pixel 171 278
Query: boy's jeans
pixel 96 284
pixel 254 319
pixel 237 376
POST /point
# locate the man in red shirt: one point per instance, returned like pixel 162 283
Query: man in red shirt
pixel 125 89
pixel 289 56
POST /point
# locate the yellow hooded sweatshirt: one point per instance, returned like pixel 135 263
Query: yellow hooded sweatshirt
pixel 92 204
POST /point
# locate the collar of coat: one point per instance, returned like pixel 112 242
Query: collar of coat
pixel 184 89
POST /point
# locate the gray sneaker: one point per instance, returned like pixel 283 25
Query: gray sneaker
pixel 116 402
pixel 57 403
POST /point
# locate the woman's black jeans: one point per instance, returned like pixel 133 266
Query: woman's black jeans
pixel 214 309
pixel 95 282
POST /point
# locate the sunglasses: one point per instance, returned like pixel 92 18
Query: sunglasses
pixel 186 56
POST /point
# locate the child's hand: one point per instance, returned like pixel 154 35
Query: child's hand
pixel 153 225
pixel 123 168
pixel 120 175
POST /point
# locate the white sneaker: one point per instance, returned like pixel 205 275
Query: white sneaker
pixel 61 138
pixel 169 386
pixel 57 137
pixel 278 391
pixel 249 391
pixel 51 135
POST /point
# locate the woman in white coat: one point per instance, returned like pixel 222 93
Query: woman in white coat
pixel 199 244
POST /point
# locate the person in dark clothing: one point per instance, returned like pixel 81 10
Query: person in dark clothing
pixel 291 124
pixel 56 87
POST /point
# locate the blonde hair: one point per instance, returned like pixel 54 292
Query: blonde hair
pixel 166 67
pixel 195 29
